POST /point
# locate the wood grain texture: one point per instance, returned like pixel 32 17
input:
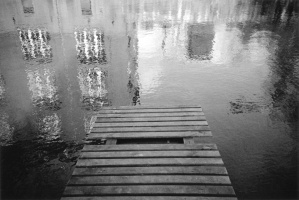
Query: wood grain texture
pixel 150 180
pixel 150 119
pixel 141 135
pixel 151 124
pixel 137 115
pixel 150 154
pixel 149 129
pixel 153 110
pixel 150 147
pixel 147 198
pixel 211 170
pixel 149 162
pixel 149 189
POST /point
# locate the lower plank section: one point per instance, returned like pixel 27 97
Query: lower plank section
pixel 150 179
pixel 148 198
pixel 149 162
pixel 149 190
pixel 169 170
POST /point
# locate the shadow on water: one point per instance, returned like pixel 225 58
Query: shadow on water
pixel 61 61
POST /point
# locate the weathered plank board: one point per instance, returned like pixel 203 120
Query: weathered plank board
pixel 150 154
pixel 149 189
pixel 152 124
pixel 150 147
pixel 140 135
pixel 148 198
pixel 148 162
pixel 151 119
pixel 149 129
pixel 154 110
pixel 150 180
pixel 151 107
pixel 179 170
pixel 134 115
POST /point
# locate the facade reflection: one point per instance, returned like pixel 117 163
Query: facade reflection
pixel 42 84
pixel 90 46
pixel 92 83
pixel 35 45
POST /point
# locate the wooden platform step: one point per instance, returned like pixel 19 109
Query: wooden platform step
pixel 150 122
pixel 134 170
pixel 149 171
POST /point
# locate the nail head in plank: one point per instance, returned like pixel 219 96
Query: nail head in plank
pixel 149 147
pixel 148 162
pixel 212 170
pixel 150 179
pixel 141 135
pixel 149 189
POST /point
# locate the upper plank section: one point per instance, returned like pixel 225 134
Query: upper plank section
pixel 149 121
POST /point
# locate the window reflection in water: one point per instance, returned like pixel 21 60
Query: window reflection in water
pixel 200 41
pixel 2 90
pixel 49 127
pixel 35 45
pixel 42 84
pixel 90 46
pixel 93 87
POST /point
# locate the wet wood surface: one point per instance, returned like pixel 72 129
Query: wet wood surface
pixel 150 171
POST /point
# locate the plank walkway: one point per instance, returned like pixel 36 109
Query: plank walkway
pixel 149 171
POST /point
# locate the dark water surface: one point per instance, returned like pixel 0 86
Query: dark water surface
pixel 62 60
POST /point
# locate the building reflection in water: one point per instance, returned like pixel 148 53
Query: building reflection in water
pixel 91 55
pixel 42 84
pixel 93 87
pixel 27 6
pixel 86 7
pixel 49 127
pixel 90 46
pixel 133 83
pixel 35 45
pixel 200 41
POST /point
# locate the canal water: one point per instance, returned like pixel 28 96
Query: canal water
pixel 63 60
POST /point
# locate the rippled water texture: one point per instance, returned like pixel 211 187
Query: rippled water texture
pixel 63 60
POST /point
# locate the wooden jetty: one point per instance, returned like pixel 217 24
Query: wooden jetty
pixel 165 170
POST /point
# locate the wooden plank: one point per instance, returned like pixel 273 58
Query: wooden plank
pixel 141 135
pixel 150 190
pixel 147 198
pixel 188 140
pixel 151 119
pixel 212 170
pixel 137 115
pixel 154 110
pixel 148 162
pixel 150 107
pixel 150 179
pixel 149 147
pixel 149 129
pixel 151 124
pixel 150 154
pixel 111 142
